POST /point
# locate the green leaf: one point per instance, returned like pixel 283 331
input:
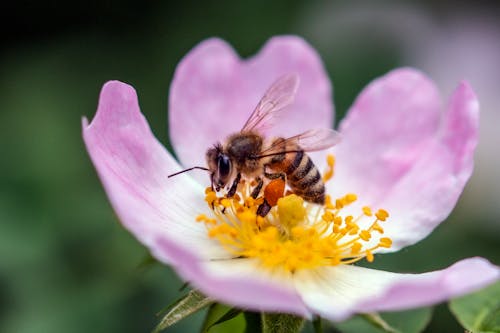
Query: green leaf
pixel 253 322
pixel 187 305
pixel 184 286
pixel 223 318
pixel 228 315
pixel 479 312
pixel 147 262
pixel 412 321
pixel 377 321
pixel 281 323
pixel 317 325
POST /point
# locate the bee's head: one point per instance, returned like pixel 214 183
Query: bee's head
pixel 220 166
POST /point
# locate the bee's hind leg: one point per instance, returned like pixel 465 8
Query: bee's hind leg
pixel 265 207
pixel 260 182
pixel 234 186
pixel 276 175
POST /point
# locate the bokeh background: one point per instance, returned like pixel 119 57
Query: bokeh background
pixel 66 264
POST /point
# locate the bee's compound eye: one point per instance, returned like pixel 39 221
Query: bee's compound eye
pixel 223 166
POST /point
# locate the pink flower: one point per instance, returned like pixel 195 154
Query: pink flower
pixel 399 152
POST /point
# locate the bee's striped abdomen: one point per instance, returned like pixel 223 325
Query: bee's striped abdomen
pixel 302 175
pixel 305 179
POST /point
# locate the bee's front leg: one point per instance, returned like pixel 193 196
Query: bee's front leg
pixel 256 190
pixel 234 186
pixel 264 208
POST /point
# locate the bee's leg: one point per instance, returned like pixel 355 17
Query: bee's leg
pixel 256 190
pixel 264 208
pixel 276 175
pixel 234 186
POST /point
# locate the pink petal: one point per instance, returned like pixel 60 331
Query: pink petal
pixel 460 129
pixel 160 212
pixel 214 91
pixel 428 193
pixel 409 291
pixel 385 131
pixel 133 167
pixel 410 159
pixel 339 292
pixel 239 282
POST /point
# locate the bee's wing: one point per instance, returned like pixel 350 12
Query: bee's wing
pixel 279 95
pixel 311 140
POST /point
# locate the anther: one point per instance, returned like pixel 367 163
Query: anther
pixel 369 256
pixel 385 242
pixel 367 211
pixel 351 197
pixel 382 214
pixel 365 235
pixel 377 227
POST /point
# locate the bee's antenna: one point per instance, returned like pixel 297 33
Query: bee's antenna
pixel 182 171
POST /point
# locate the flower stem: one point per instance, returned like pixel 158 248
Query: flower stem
pixel 281 323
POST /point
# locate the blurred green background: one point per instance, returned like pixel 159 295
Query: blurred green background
pixel 66 264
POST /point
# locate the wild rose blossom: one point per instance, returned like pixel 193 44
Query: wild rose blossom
pixel 397 173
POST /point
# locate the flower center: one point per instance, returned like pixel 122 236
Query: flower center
pixel 294 234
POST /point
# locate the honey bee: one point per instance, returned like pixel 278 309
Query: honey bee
pixel 249 154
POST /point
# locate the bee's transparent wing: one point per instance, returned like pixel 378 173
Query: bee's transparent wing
pixel 311 140
pixel 279 95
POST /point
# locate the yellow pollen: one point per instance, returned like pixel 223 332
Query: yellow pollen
pixel 382 215
pixel 369 256
pixel 291 210
pixel 385 242
pixel 328 174
pixel 210 198
pixel 330 160
pixel 328 202
pixel 339 204
pixel 225 202
pixel 351 198
pixel 365 235
pixel 201 217
pixel 367 211
pixel 247 217
pixel 377 227
pixel 294 234
pixel 328 216
pixel 356 247
pixel 337 220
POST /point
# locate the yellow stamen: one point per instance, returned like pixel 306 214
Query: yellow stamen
pixel 225 202
pixel 295 234
pixel 367 211
pixel 377 227
pixel 350 198
pixel 291 210
pixel 328 174
pixel 365 235
pixel 210 197
pixel 385 242
pixel 382 215
pixel 369 256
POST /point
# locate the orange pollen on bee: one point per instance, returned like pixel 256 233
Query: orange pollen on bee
pixel 295 234
pixel 274 191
